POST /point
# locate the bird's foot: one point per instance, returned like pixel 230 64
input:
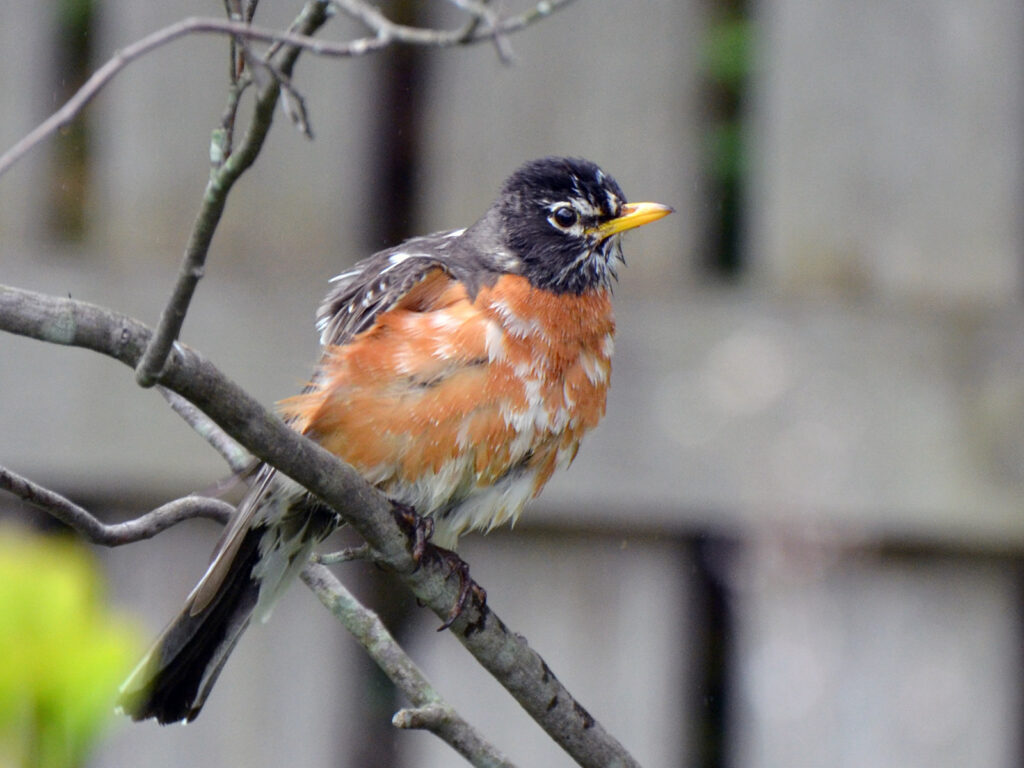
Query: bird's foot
pixel 419 529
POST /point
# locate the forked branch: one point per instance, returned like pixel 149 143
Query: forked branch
pixel 113 534
pixel 388 33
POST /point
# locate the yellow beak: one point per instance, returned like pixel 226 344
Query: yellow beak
pixel 633 215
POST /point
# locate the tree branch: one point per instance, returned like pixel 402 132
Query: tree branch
pixel 445 723
pixel 506 655
pixel 480 13
pixel 229 165
pixel 233 454
pixel 222 179
pixel 371 633
pixel 114 535
pixel 203 25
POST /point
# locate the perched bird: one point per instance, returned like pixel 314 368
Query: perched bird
pixel 459 370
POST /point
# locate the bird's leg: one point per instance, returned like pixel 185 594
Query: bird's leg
pixel 419 529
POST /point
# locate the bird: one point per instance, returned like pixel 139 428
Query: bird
pixel 458 371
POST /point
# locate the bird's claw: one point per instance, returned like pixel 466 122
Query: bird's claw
pixel 419 529
pixel 469 590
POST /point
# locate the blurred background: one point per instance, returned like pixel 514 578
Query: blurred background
pixel 797 538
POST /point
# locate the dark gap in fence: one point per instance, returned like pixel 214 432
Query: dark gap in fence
pixel 726 65
pixel 713 633
pixel 64 214
pixel 394 173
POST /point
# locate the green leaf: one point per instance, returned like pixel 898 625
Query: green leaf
pixel 62 652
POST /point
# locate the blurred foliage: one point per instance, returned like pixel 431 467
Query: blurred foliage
pixel 62 654
pixel 726 58
pixel 724 152
pixel 727 50
pixel 75 14
pixel 726 61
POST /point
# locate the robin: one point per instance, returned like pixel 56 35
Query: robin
pixel 459 370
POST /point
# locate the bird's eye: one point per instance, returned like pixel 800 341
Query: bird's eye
pixel 564 217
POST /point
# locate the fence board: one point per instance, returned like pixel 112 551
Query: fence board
pixel 888 153
pixel 845 661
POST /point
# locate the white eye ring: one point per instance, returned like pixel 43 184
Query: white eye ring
pixel 564 216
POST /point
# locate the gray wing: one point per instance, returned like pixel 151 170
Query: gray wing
pixel 375 284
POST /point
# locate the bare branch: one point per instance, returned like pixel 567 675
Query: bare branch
pixel 388 31
pixel 121 59
pixel 360 621
pixel 371 633
pixel 222 179
pixel 479 13
pixel 506 655
pixel 420 718
pixel 239 459
pixel 203 25
pixel 113 535
pixel 294 102
pixel 445 723
pixel 224 174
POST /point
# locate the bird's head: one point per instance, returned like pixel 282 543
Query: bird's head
pixel 562 219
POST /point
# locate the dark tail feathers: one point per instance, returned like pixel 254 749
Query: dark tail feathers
pixel 173 680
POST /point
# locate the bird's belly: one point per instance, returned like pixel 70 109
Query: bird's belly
pixel 471 451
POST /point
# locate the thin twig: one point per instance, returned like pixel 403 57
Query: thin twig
pixel 445 723
pixel 294 102
pixel 505 654
pixel 222 179
pixel 114 534
pixel 389 31
pixel 371 633
pixel 203 25
pixel 224 138
pixel 233 9
pixel 420 718
pixel 239 459
pixel 226 173
pixel 479 12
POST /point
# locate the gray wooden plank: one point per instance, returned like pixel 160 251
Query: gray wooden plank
pixel 25 100
pixel 886 139
pixel 846 661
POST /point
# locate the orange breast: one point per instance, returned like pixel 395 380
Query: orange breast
pixel 446 398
